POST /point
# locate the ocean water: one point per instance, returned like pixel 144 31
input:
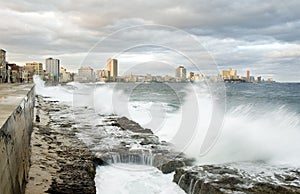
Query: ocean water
pixel 141 180
pixel 256 122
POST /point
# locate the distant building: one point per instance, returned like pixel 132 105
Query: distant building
pixel 230 74
pixel 158 78
pixel 167 78
pixel 192 76
pixel 28 72
pixel 112 67
pixel 3 67
pixel 247 75
pixel 2 57
pixel 37 67
pixel 198 77
pixel 131 78
pixel 180 73
pixel 64 75
pixel 103 75
pixel 148 78
pixel 15 73
pixel 53 68
pixel 259 79
pixel 85 74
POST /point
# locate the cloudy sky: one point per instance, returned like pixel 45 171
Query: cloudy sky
pixel 262 36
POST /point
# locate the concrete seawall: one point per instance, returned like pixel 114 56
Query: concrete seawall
pixel 16 121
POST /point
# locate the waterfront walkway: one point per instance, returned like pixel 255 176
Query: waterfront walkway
pixel 11 96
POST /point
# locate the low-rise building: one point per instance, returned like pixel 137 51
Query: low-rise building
pixel 65 76
pixel 37 67
pixel 85 74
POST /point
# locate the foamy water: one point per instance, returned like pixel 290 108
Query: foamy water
pixel 250 132
pixel 134 179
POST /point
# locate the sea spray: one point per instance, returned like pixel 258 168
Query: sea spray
pixel 253 129
pixel 141 180
pixel 272 136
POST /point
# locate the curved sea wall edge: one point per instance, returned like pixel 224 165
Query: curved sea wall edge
pixel 17 110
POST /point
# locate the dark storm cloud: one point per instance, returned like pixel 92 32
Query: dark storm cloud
pixel 69 28
pixel 243 15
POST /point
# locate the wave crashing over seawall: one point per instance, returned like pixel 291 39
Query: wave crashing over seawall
pixel 266 140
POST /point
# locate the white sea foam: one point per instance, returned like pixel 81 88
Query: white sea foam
pixel 246 135
pixel 134 179
pixel 272 137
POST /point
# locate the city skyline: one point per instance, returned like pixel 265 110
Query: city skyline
pixel 142 72
pixel 262 38
pixel 181 74
pixel 54 72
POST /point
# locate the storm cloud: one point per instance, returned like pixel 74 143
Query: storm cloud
pixel 262 36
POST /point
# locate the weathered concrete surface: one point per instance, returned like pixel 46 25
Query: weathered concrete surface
pixel 16 116
pixel 60 162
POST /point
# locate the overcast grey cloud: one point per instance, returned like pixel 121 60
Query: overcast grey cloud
pixel 262 36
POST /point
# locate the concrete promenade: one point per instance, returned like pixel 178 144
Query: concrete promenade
pixel 16 122
pixel 11 96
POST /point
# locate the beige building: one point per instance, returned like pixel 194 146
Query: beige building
pixel 229 74
pixel 37 68
pixel 103 75
pixel 64 75
pixel 112 67
pixel 247 75
pixel 28 72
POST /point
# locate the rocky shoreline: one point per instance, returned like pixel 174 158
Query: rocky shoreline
pixel 68 145
pixel 148 148
pixel 60 162
pixel 64 162
pixel 234 178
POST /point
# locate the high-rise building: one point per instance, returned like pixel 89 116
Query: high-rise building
pixel 2 57
pixel 112 67
pixel 180 73
pixel 37 67
pixel 3 67
pixel 247 75
pixel 53 68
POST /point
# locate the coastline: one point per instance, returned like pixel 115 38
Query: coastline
pixel 64 159
pixel 60 162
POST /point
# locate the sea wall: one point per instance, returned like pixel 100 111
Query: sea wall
pixel 60 162
pixel 16 120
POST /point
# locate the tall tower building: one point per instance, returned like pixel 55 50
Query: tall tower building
pixel 3 67
pixel 53 68
pixel 112 67
pixel 2 57
pixel 180 73
pixel 247 75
